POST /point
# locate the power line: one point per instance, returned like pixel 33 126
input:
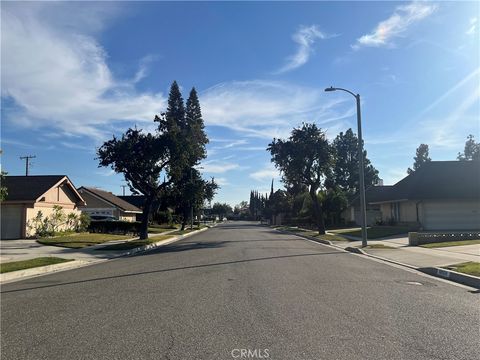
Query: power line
pixel 27 162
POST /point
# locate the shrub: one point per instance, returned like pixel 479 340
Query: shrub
pixel 115 227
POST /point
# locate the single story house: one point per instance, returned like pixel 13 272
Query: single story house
pixel 374 215
pixel 441 195
pixel 101 202
pixel 27 195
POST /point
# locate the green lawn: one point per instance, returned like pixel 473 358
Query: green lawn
pixel 134 243
pixel 81 240
pixel 187 230
pixel 374 232
pixel 377 246
pixel 157 230
pixel 313 233
pixel 450 243
pixel 470 268
pixel 27 264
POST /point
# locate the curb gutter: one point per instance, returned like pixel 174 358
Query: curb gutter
pixel 454 276
pixel 49 269
pixel 41 270
pixel 464 279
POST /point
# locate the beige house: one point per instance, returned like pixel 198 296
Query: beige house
pixel 441 195
pixel 27 195
pixel 103 203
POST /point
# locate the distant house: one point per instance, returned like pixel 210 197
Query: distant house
pixel 101 202
pixel 372 195
pixel 27 195
pixel 135 200
pixel 441 195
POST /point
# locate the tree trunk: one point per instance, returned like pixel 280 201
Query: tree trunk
pixel 146 214
pixel 184 217
pixel 317 208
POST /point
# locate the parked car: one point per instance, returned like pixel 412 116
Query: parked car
pixel 103 218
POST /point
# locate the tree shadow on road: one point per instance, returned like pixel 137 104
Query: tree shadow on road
pixel 226 263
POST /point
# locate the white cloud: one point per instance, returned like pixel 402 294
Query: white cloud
pixel 218 167
pixel 305 37
pixel 268 109
pixel 396 24
pixel 57 73
pixel 473 26
pixel 266 174
pixel 221 181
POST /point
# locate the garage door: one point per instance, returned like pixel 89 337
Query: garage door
pixel 455 215
pixel 11 222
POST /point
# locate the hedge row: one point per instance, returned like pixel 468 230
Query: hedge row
pixel 115 227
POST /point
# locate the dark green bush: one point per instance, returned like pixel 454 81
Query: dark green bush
pixel 115 227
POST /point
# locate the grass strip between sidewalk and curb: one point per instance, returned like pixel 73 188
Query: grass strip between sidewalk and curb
pixel 470 268
pixel 135 243
pixel 374 232
pixel 310 233
pixel 450 243
pixel 32 263
pixel 377 246
pixel 81 240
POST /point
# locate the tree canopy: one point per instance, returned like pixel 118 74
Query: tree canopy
pixel 420 158
pixel 471 150
pixel 305 159
pixel 176 146
pixel 345 171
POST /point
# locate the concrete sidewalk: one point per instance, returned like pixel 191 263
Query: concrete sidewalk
pixel 25 249
pixel 417 256
pixel 16 250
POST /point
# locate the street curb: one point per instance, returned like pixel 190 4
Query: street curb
pixel 444 274
pixel 153 246
pixel 50 269
pixel 41 270
pixel 355 250
pixel 455 276
pixel 321 241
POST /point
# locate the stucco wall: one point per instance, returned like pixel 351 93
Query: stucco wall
pixel 60 195
pixel 47 210
pixel 94 202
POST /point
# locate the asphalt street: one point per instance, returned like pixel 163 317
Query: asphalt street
pixel 239 291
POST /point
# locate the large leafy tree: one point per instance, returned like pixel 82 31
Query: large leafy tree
pixel 191 193
pixel 304 159
pixel 222 210
pixel 420 158
pixel 345 172
pixel 144 157
pixel 141 157
pixel 471 150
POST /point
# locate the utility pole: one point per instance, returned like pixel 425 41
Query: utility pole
pixel 123 188
pixel 27 162
pixel 363 206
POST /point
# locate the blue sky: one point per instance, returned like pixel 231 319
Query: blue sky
pixel 73 74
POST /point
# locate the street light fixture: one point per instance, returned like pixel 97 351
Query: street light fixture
pixel 363 208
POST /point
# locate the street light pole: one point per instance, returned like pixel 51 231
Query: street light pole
pixel 363 207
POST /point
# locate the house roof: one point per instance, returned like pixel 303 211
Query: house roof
pixel 135 200
pixel 112 199
pixel 437 180
pixel 374 194
pixel 31 188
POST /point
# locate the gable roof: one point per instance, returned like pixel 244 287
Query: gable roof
pixel 112 199
pixel 437 180
pixel 31 188
pixel 135 200
pixel 373 194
